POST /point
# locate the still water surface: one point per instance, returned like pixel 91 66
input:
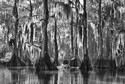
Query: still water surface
pixel 29 76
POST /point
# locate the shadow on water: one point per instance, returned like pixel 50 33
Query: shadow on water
pixel 100 74
pixel 85 76
pixel 45 78
pixel 56 78
pixel 109 77
pixel 29 76
pixel 105 74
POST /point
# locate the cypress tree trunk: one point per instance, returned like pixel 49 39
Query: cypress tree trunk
pixel 113 64
pixel 85 30
pixel 104 63
pixel 74 62
pixel 86 61
pixel 15 60
pixel 46 15
pixel 76 46
pixel 112 22
pixel 56 45
pixel 72 49
pixel 15 13
pixel 8 28
pixel 100 61
pixel 100 31
pixel 108 44
pixel 45 62
pixel 100 38
pixel 31 26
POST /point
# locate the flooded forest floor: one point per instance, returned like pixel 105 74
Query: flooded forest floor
pixel 28 75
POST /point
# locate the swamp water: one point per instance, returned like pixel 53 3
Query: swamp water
pixel 29 76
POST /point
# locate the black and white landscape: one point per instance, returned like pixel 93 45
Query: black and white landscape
pixel 62 41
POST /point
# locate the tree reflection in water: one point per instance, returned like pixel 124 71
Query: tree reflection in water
pixel 85 76
pixel 74 78
pixel 18 78
pixel 45 78
pixel 28 76
pixel 56 78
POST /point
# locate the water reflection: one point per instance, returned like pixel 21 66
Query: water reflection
pixel 29 76
pixel 45 78
pixel 75 77
pixel 56 79
pixel 85 76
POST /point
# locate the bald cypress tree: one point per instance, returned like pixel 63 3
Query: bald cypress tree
pixel 85 65
pixel 45 62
